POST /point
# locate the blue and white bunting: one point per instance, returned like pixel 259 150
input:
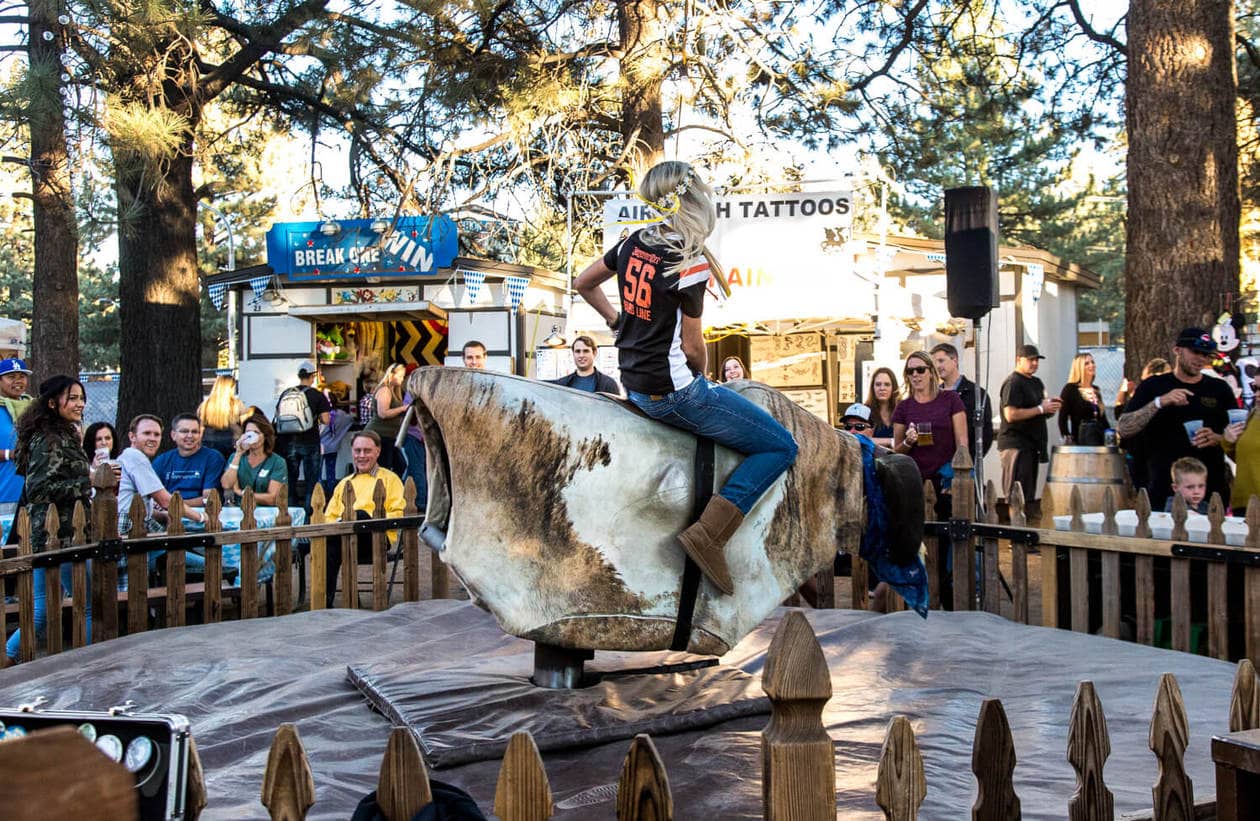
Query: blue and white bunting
pixel 473 280
pixel 258 285
pixel 515 290
pixel 218 294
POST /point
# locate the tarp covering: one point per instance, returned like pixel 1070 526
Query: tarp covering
pixel 238 681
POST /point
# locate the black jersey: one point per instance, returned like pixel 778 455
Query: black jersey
pixel 653 302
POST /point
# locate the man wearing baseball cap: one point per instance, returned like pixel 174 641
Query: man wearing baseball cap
pixel 1023 438
pixel 300 411
pixel 857 420
pixel 13 400
pixel 1181 413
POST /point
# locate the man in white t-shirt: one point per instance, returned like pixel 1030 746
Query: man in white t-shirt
pixel 139 478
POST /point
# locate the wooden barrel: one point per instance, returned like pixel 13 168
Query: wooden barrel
pixel 1093 470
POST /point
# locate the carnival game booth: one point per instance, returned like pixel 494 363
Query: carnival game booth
pixel 356 295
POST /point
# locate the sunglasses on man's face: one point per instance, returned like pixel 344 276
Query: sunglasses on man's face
pixel 859 426
pixel 917 369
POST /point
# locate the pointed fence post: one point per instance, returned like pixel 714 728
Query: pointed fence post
pixel 1019 556
pixel 1144 574
pixel 992 587
pixel 248 578
pixel 993 762
pixel 288 789
pixel 643 789
pixel 104 576
pixel 523 793
pixel 1218 596
pixel 79 579
pixel 1088 749
pixel 1078 567
pixel 900 786
pixel 410 545
pixel 1244 701
pixel 1179 586
pixel 402 788
pixel 283 558
pixel 52 583
pixel 380 549
pixel 962 491
pixel 1110 561
pixel 137 571
pixel 318 582
pixel 195 790
pixel 797 756
pixel 175 566
pixel 349 552
pixel 933 544
pixel 1173 793
pixel 25 589
pixel 213 599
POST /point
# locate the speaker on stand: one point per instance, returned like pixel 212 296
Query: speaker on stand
pixel 971 283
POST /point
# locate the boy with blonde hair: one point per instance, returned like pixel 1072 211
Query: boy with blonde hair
pixel 1189 481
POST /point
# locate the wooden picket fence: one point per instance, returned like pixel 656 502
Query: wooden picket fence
pixel 106 547
pixel 798 760
pixel 1015 542
pixel 1011 547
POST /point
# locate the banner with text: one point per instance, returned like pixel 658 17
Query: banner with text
pixel 785 255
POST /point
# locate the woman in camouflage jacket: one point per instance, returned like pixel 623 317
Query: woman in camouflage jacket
pixel 50 455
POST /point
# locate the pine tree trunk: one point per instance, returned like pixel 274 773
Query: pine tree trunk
pixel 1183 212
pixel 158 282
pixel 55 285
pixel 644 63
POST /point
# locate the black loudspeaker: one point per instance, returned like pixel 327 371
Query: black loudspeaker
pixel 971 251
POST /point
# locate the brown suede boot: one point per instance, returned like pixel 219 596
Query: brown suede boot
pixel 705 541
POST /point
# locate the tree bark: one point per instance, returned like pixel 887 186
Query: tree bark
pixel 1182 263
pixel 644 63
pixel 158 282
pixel 55 284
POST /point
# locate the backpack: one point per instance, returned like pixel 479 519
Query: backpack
pixel 293 412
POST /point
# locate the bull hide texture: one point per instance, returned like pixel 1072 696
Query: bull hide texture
pixel 559 511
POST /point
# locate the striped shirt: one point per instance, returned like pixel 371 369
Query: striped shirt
pixel 653 303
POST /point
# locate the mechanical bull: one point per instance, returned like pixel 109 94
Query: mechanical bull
pixel 559 511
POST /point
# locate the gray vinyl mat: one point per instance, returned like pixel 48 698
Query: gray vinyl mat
pixel 238 681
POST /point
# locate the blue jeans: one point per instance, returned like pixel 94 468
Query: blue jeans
pixel 307 456
pixel 415 452
pixel 13 647
pixel 721 414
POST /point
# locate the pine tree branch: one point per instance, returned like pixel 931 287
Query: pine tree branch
pixel 317 106
pixel 1253 56
pixel 261 41
pixel 15 19
pixel 1088 30
pixel 907 36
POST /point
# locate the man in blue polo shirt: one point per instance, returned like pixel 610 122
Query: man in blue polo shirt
pixel 189 470
pixel 13 400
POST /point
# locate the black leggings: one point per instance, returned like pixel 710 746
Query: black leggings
pixel 333 566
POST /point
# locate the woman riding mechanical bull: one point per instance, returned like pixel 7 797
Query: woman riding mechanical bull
pixel 662 271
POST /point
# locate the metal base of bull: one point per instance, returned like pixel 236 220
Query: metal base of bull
pixel 563 668
pixel 560 668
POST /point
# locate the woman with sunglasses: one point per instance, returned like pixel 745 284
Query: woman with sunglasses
pixel 929 424
pixel 881 398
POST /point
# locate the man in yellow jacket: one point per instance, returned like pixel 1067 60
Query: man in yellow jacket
pixel 365 451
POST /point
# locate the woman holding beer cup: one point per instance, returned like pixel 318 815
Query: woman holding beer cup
pixel 1242 444
pixel 255 464
pixel 929 425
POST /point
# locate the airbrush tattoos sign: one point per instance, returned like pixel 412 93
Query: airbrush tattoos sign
pixel 786 255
